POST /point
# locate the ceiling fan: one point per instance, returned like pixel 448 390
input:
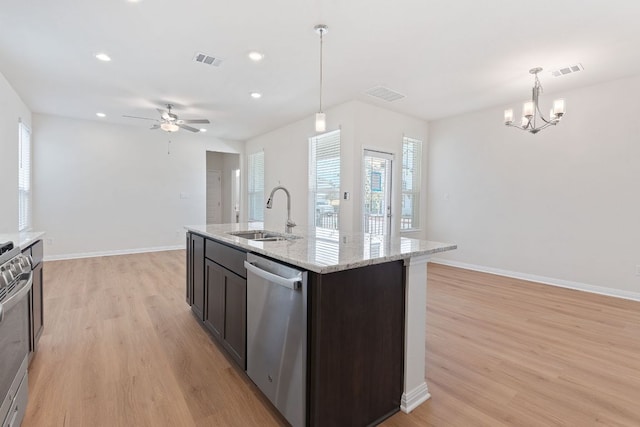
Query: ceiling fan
pixel 170 122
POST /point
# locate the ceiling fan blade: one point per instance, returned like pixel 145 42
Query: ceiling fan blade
pixel 143 118
pixel 155 127
pixel 202 121
pixel 164 114
pixel 189 128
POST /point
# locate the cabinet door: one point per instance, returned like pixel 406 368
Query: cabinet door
pixel 235 317
pixel 215 283
pixel 197 261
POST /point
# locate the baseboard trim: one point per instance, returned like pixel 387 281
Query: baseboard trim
pixel 617 293
pixel 112 253
pixel 414 398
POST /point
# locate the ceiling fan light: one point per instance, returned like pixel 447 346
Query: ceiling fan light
pixel 169 127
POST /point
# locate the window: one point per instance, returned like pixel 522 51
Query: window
pixel 256 186
pixel 324 180
pixel 411 155
pixel 24 177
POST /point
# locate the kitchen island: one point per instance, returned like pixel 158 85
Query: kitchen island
pixel 366 310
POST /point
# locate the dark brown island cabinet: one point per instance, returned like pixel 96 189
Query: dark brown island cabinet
pixel 217 292
pixel 355 330
pixel 36 309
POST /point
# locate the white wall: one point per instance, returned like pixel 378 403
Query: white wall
pixel 105 188
pixel 362 126
pixel 12 109
pixel 383 130
pixel 286 157
pixel 563 204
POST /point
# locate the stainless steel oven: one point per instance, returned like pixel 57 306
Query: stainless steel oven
pixel 15 283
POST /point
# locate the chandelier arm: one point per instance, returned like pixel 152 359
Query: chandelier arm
pixel 546 125
pixel 541 116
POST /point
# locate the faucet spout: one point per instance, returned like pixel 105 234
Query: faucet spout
pixel 290 224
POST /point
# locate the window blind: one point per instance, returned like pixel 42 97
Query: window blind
pixel 411 155
pixel 256 186
pixel 24 177
pixel 324 179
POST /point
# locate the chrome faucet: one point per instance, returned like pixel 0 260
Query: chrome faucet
pixel 290 224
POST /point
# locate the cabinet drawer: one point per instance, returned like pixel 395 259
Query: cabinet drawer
pixel 226 256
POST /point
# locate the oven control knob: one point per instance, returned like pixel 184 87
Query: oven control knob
pixel 7 276
pixel 24 263
pixel 15 268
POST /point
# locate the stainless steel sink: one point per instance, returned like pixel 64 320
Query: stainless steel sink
pixel 262 235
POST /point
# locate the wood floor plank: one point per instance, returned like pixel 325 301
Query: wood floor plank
pixel 120 347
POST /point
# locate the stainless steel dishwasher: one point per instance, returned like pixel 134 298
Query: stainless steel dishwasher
pixel 277 334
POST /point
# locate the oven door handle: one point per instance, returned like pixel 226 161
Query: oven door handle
pixel 10 302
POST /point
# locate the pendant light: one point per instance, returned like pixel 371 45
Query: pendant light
pixel 321 119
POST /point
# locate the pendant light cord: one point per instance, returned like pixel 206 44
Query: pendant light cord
pixel 321 34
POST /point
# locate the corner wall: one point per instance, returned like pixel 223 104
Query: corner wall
pixel 362 126
pixel 561 206
pixel 12 109
pixel 102 188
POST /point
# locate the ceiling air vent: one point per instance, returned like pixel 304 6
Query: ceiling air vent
pixel 207 59
pixel 384 93
pixel 567 70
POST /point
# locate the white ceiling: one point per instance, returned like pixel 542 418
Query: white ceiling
pixel 447 57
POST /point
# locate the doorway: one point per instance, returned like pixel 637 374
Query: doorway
pixel 214 196
pixel 222 187
pixel 377 192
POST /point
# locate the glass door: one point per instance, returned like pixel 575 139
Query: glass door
pixel 377 192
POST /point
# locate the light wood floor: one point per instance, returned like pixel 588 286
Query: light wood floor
pixel 121 348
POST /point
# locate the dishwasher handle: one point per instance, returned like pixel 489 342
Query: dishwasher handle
pixel 294 283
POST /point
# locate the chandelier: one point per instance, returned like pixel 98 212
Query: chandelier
pixel 321 119
pixel 532 119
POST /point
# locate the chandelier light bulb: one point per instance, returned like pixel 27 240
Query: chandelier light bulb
pixel 508 116
pixel 558 107
pixel 527 109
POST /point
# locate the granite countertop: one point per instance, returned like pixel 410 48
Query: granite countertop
pixel 325 251
pixel 21 239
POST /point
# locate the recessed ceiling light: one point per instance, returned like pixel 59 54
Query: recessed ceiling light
pixel 103 57
pixel 256 95
pixel 203 130
pixel 101 115
pixel 256 56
